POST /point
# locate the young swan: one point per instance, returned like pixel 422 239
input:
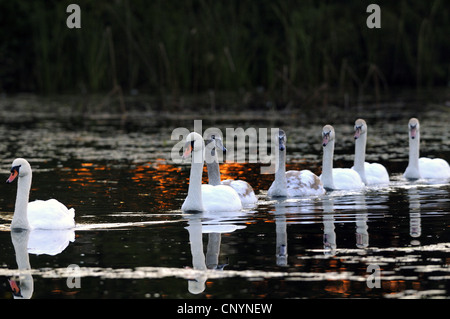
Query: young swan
pixel 49 214
pixel 293 183
pixel 336 178
pixel 243 188
pixel 370 173
pixel 205 197
pixel 423 167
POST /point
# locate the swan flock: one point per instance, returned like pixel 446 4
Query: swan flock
pixel 236 195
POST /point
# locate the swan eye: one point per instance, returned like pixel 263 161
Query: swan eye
pixel 15 169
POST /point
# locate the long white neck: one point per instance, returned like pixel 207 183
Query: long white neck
pixel 327 166
pixel 212 165
pixel 20 219
pixel 414 150
pixel 280 183
pixel 360 156
pixel 194 201
pixel 413 171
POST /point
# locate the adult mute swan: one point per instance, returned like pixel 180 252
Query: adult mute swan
pixel 49 214
pixel 205 197
pixel 243 188
pixel 336 178
pixel 370 173
pixel 293 183
pixel 424 167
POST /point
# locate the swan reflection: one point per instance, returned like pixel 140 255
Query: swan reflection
pixel 37 242
pixel 415 228
pixel 214 224
pixel 330 205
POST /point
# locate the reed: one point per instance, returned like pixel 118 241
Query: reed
pixel 291 52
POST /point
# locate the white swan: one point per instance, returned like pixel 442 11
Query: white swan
pixel 423 167
pixel 336 178
pixel 370 173
pixel 243 188
pixel 205 197
pixel 293 183
pixel 39 214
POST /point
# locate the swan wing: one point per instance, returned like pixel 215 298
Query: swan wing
pixel 346 178
pixel 244 190
pixel 376 173
pixel 434 168
pixel 303 183
pixel 220 198
pixel 50 214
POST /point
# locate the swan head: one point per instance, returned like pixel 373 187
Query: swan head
pixel 413 127
pixel 282 140
pixel 19 168
pixel 327 135
pixel 196 146
pixel 360 128
pixel 213 142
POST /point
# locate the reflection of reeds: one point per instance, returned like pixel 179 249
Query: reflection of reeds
pixel 287 52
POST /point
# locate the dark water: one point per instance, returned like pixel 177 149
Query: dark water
pixel 133 241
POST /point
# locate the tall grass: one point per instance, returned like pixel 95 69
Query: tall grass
pixel 292 51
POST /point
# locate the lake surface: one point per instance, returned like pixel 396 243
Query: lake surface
pixel 133 241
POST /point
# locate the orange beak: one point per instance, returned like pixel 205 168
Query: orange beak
pixel 188 150
pixel 15 288
pixel 357 132
pixel 12 177
pixel 413 132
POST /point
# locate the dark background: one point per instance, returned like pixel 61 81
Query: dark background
pixel 260 53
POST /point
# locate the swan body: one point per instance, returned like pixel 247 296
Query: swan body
pixel 336 178
pixel 370 173
pixel 293 183
pixel 205 197
pixel 243 188
pixel 423 167
pixel 49 214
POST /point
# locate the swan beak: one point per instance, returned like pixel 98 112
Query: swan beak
pixel 188 150
pixel 325 141
pixel 357 132
pixel 413 132
pixel 12 177
pixel 15 288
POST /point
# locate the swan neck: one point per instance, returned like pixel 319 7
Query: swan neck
pixel 280 174
pixel 195 180
pixel 279 187
pixel 327 166
pixel 414 151
pixel 213 172
pixel 360 156
pixel 194 201
pixel 20 219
